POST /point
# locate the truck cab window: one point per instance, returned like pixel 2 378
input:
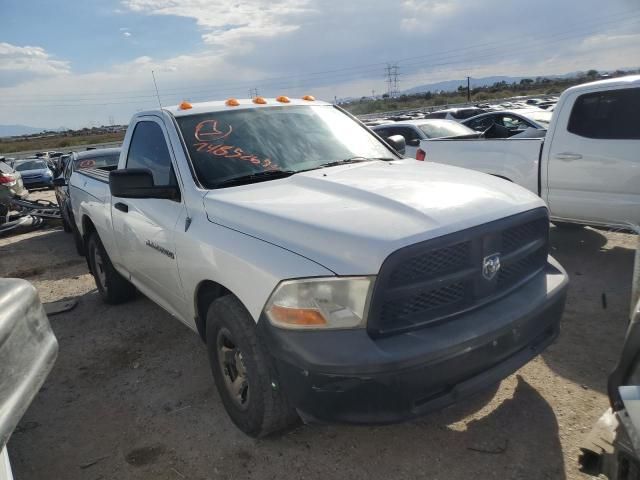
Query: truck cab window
pixel 608 115
pixel 149 150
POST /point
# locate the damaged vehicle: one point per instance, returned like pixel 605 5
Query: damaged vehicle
pixel 28 350
pixel 330 278
pixel 612 448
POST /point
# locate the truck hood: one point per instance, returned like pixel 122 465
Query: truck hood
pixel 350 218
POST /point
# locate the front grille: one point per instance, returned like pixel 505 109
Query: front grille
pixel 437 279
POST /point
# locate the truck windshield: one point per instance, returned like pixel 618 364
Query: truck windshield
pixel 233 144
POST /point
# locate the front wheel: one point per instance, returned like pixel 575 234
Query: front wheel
pixel 244 372
pixel 113 287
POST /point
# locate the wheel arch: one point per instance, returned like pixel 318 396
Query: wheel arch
pixel 206 292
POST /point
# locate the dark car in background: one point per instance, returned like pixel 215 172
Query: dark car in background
pixel 106 158
pixel 35 172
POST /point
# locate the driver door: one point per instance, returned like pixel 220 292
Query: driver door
pixel 145 228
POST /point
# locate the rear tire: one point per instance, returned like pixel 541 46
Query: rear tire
pixel 113 287
pixel 65 224
pixel 244 372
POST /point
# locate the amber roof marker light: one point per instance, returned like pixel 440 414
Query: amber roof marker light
pixel 282 99
pixel 259 101
pixel 232 102
pixel 185 105
pixel 309 98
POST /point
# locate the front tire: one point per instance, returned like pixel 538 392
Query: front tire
pixel 244 372
pixel 113 287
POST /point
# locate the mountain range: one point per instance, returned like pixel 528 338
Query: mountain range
pixel 15 130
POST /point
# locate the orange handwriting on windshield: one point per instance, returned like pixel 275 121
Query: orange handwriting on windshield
pixel 231 151
pixel 211 131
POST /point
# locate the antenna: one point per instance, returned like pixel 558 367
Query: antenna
pixel 156 85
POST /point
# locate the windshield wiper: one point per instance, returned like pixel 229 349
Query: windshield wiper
pixel 255 177
pixel 351 160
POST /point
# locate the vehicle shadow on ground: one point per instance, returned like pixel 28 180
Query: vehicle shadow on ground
pixel 131 396
pixel 47 249
pixel 597 309
pixel 516 439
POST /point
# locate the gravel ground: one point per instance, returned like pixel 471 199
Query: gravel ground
pixel 131 395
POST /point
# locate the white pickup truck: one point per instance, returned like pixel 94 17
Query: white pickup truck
pixel 587 168
pixel 330 278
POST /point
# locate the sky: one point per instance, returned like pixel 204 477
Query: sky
pixel 87 63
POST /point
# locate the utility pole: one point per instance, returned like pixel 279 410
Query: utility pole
pixel 373 94
pixel 392 79
pixel 468 89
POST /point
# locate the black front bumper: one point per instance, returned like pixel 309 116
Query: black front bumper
pixel 39 183
pixel 347 376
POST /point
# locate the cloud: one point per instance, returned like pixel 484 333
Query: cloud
pixel 325 48
pixel 230 23
pixel 417 11
pixel 126 34
pixel 18 64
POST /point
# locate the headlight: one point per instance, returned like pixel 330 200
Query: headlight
pixel 320 303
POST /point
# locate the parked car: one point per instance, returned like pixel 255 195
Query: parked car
pixel 329 277
pixel 10 187
pixel 28 349
pixel 456 114
pixel 512 121
pixel 415 130
pixel 105 159
pixel 587 168
pixel 36 173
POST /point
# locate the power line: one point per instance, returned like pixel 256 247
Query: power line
pixel 392 70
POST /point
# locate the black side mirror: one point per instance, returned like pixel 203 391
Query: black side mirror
pixel 138 183
pixel 414 142
pixel 59 182
pixel 398 143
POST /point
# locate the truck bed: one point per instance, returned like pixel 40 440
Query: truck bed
pixel 515 159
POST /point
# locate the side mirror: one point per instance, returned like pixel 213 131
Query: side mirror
pixel 59 182
pixel 415 142
pixel 398 143
pixel 138 183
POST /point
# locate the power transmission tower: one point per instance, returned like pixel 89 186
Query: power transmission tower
pixel 111 120
pixel 468 89
pixel 392 79
pixel 253 92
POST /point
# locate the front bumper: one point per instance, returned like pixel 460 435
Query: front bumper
pixel 346 376
pixel 43 182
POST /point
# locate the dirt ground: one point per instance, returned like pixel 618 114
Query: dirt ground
pixel 131 395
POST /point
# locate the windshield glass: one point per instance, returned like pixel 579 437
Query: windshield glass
pixel 31 165
pixel 439 129
pixel 97 162
pixel 230 144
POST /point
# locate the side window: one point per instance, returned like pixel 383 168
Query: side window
pixel 148 149
pixel 383 132
pixel 408 133
pixel 608 115
pixel 513 123
pixel 481 124
pixel 68 169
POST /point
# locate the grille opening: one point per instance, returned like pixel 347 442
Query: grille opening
pixel 443 260
pixel 440 278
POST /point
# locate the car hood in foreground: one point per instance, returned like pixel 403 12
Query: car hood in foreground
pixel 350 218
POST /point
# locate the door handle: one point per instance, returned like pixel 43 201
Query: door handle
pixel 123 207
pixel 568 156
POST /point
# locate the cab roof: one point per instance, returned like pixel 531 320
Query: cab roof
pixel 243 103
